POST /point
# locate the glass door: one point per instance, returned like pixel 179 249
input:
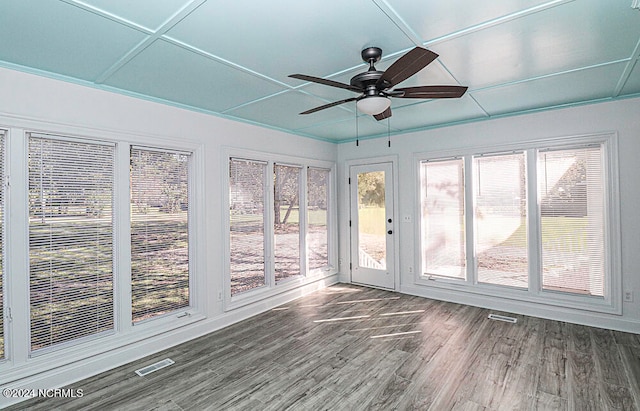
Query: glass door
pixel 372 225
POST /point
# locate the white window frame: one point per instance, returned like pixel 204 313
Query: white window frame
pixel 302 221
pixel 19 363
pixel 272 288
pixel 331 221
pixel 3 269
pixel 611 303
pixel 114 252
pixel 188 310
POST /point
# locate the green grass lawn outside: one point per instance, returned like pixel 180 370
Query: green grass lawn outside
pixel 558 233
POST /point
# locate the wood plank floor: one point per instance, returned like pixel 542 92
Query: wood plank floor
pixel 354 348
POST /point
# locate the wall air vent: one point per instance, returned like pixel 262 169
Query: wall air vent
pixel 154 367
pixel 504 318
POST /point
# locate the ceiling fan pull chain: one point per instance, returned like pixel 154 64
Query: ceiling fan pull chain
pixel 356 111
pixel 389 132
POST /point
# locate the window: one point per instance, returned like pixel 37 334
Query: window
pixel 286 202
pixel 442 218
pixel 318 217
pixel 247 186
pixel 279 224
pixel 543 221
pixel 2 350
pixel 70 239
pixel 500 219
pixel 159 232
pixel 571 187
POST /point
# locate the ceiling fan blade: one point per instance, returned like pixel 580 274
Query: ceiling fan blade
pixel 430 92
pixel 335 103
pixel 383 115
pixel 325 82
pixel 406 66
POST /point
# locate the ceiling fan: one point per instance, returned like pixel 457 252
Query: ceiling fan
pixel 377 86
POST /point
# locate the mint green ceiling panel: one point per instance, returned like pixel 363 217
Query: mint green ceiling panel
pixel 590 84
pixel 434 19
pixel 233 58
pixel 172 73
pixel 282 111
pixel 60 38
pixel 147 13
pixel 435 112
pixel 576 34
pixel 632 85
pixel 346 129
pixel 278 38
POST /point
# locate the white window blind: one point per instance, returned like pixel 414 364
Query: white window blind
pixel 572 192
pixel 70 240
pixel 2 185
pixel 286 202
pixel 500 219
pixel 442 218
pixel 247 180
pixel 159 232
pixel 318 217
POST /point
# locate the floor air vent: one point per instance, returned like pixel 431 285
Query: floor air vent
pixel 503 318
pixel 154 367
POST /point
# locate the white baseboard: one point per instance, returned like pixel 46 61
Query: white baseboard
pixel 592 319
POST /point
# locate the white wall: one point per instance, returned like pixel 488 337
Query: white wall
pixel 620 116
pixel 38 103
pixel 29 102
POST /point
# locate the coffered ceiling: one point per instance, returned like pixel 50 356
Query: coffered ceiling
pixel 233 58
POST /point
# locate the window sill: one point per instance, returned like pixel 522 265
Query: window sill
pixel 544 297
pixel 264 292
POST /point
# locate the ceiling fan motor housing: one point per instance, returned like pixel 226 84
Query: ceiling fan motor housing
pixel 367 81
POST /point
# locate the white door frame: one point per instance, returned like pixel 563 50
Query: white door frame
pixel 393 159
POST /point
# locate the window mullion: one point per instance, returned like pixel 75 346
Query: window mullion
pixel 472 269
pixel 302 220
pixel 122 239
pixel 17 246
pixel 534 239
pixel 269 232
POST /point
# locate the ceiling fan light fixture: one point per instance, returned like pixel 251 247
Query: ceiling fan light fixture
pixel 373 105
